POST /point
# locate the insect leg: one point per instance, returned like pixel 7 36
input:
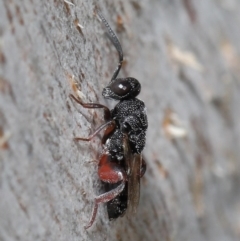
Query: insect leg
pixel 110 172
pixel 107 113
pixel 89 138
pixel 108 132
pixel 106 197
pixel 112 36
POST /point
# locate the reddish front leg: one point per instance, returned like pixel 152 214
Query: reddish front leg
pixel 110 172
pixel 107 113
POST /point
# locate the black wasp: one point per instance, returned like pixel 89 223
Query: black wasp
pixel 121 164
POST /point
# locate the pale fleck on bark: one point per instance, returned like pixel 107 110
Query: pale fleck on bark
pixel 185 54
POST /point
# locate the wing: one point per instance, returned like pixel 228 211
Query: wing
pixel 133 162
pixel 134 183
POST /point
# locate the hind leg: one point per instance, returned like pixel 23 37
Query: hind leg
pixel 110 172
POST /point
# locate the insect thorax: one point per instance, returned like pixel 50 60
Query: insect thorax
pixel 130 116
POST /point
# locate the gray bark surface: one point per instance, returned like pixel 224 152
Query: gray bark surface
pixel 186 54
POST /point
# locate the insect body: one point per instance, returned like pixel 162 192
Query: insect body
pixel 121 165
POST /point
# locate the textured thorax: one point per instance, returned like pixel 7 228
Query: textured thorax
pixel 132 107
pixel 131 118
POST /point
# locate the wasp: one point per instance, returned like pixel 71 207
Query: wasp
pixel 121 164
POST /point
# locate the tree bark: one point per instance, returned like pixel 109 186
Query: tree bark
pixel 186 56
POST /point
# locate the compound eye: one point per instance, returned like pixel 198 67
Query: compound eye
pixel 120 87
